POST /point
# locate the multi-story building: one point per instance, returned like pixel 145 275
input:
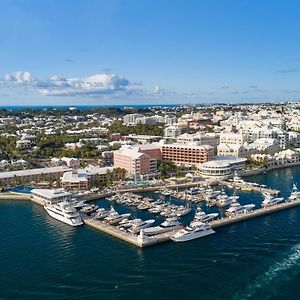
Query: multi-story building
pixel 137 164
pixel 172 132
pixel 130 119
pixel 187 153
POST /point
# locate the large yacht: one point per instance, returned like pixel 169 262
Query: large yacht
pixel 64 212
pixel 168 225
pixel 192 232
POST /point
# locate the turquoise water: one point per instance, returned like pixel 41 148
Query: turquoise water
pixel 41 258
pixel 21 189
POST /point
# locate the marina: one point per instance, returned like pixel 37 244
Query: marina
pixel 166 209
pixel 201 191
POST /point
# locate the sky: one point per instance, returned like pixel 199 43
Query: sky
pixel 66 52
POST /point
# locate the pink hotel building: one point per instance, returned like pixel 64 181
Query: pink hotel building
pixel 141 161
pixel 137 163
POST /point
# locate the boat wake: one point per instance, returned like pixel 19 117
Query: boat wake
pixel 264 281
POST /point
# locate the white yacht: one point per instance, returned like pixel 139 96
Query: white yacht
pixel 201 216
pixel 249 207
pixel 270 201
pixel 64 212
pixel 183 211
pixel 192 232
pixel 116 218
pixel 234 209
pixel 295 194
pixel 168 225
pixel 88 209
pixel 101 213
pixel 137 225
pixel 224 200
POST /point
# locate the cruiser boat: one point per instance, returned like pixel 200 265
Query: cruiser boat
pixel 116 218
pixel 101 213
pixel 192 232
pixel 201 216
pixel 234 209
pixel 168 225
pixel 64 212
pixel 88 209
pixel 295 194
pixel 224 200
pixel 138 225
pixel 270 201
pixel 183 211
pixel 249 207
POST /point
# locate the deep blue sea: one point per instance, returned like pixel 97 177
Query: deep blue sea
pixel 82 107
pixel 41 258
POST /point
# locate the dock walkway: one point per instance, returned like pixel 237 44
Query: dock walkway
pixel 253 214
pixel 136 240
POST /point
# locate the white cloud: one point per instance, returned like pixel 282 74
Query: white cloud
pixel 99 84
pixel 20 77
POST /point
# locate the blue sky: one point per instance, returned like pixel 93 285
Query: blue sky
pixel 144 51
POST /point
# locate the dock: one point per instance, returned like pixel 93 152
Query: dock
pixel 245 186
pixel 253 214
pixel 137 240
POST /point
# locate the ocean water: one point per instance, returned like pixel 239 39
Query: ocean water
pixel 82 107
pixel 41 258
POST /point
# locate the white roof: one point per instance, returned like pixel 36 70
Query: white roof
pixel 32 172
pixel 74 177
pixel 51 193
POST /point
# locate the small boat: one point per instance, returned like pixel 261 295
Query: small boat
pixel 192 232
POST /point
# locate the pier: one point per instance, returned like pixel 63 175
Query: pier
pixel 245 186
pixel 136 240
pixel 253 214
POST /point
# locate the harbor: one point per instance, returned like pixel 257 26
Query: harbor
pixel 133 199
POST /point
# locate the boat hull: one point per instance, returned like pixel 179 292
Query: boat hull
pixel 190 237
pixel 74 223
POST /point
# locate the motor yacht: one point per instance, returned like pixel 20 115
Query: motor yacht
pixel 168 225
pixel 138 225
pixel 64 212
pixel 295 194
pixel 101 213
pixel 192 232
pixel 117 218
pixel 270 201
pixel 249 207
pixel 223 200
pixel 88 209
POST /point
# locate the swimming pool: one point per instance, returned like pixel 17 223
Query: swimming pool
pixel 21 189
